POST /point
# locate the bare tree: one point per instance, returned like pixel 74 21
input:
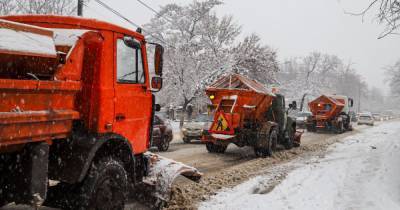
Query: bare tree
pixel 7 7
pixel 255 60
pixel 388 14
pixel 317 74
pixel 57 7
pixel 393 77
pixel 197 43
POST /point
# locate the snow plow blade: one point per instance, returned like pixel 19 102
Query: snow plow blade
pixel 157 186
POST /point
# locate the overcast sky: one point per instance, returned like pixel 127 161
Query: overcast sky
pixel 293 28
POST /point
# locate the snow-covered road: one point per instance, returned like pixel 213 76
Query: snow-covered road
pixel 362 172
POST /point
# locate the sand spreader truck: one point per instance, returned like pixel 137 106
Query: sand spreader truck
pixel 76 113
pixel 247 114
pixel 330 113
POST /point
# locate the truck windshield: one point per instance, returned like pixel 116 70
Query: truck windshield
pixel 129 64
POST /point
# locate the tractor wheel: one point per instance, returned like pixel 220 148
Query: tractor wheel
pixel 105 186
pixel 164 145
pixel 214 148
pixel 272 139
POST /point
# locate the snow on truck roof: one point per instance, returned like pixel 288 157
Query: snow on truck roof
pixel 239 82
pixel 22 39
pixel 71 22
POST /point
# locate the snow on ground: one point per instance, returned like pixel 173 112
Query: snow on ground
pixel 361 172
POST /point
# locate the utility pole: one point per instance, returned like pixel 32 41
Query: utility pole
pixel 359 96
pixel 80 7
pixel 302 101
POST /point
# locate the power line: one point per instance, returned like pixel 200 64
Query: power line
pixel 129 21
pixel 155 11
pixel 150 8
pixel 117 13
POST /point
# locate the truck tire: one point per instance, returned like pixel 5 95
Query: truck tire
pixel 186 140
pixel 289 140
pixel 164 145
pixel 268 150
pixel 214 148
pixel 340 128
pixel 105 186
pixel 311 127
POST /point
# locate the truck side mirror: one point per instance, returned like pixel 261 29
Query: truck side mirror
pixel 156 83
pixel 131 42
pixel 158 59
pixel 157 107
pixel 351 102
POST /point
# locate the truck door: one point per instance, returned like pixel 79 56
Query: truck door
pixel 133 100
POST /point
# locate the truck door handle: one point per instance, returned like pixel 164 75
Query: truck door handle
pixel 120 117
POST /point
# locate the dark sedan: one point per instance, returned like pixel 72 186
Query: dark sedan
pixel 162 134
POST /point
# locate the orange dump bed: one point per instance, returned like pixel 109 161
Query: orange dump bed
pixel 326 107
pixel 37 92
pixel 237 99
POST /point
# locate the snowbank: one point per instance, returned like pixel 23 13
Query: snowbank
pixel 360 173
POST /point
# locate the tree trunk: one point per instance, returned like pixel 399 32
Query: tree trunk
pixel 182 117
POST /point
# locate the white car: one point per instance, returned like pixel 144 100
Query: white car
pixel 366 119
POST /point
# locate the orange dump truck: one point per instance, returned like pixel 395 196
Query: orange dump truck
pixel 76 107
pixel 330 112
pixel 247 114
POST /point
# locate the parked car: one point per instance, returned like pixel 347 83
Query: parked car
pixel 378 117
pixel 365 119
pixel 194 129
pixel 301 118
pixel 162 133
pixel 386 117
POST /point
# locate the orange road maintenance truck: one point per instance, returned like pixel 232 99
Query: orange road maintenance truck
pixel 76 108
pixel 330 113
pixel 247 114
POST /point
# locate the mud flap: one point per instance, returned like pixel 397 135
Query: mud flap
pixel 162 173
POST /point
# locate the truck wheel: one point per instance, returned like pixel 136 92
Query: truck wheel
pixel 213 148
pixel 164 145
pixel 340 128
pixel 311 128
pixel 186 140
pixel 210 147
pixel 268 150
pixel 105 186
pixel 289 141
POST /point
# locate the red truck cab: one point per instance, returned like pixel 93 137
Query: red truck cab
pixel 82 115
